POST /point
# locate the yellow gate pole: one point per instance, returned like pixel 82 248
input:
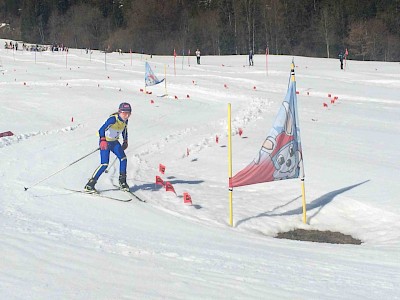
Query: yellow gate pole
pixel 230 165
pixel 303 194
pixel 303 190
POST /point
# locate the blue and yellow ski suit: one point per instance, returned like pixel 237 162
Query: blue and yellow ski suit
pixel 111 129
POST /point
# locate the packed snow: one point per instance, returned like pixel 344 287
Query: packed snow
pixel 57 244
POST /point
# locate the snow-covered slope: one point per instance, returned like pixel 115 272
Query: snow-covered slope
pixel 55 244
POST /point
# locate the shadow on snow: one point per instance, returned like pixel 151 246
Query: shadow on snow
pixel 317 203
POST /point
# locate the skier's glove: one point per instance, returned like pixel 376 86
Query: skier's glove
pixel 124 145
pixel 103 144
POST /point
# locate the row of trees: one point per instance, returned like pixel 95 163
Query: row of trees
pixel 370 29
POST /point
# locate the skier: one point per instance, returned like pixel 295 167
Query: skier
pixel 109 134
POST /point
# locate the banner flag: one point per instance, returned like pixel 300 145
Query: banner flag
pixel 280 156
pixel 149 77
pixel 6 133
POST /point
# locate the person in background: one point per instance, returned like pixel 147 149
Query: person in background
pixel 251 63
pixel 116 124
pixel 341 57
pixel 198 56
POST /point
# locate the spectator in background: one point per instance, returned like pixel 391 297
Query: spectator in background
pixel 251 63
pixel 341 57
pixel 198 56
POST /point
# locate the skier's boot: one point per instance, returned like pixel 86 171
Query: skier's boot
pixel 89 187
pixel 122 182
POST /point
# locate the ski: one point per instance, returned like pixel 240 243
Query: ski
pixel 134 195
pixel 130 193
pixel 99 194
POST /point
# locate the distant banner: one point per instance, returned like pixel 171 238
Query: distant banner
pixel 280 156
pixel 150 78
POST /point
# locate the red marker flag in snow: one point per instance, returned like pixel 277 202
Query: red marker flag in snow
pixel 161 168
pixel 169 187
pixel 240 131
pixel 159 181
pixel 216 139
pixel 187 198
pixel 280 156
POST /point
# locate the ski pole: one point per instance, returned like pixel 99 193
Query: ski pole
pixel 109 167
pixel 26 188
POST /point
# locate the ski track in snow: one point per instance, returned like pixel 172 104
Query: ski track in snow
pixel 10 140
pixel 250 113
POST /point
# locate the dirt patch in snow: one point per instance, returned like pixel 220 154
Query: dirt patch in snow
pixel 318 236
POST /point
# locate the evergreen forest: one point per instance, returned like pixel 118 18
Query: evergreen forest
pixel 369 29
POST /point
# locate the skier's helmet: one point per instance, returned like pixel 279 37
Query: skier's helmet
pixel 125 107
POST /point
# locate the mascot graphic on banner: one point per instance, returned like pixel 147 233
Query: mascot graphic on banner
pixel 280 156
pixel 280 149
